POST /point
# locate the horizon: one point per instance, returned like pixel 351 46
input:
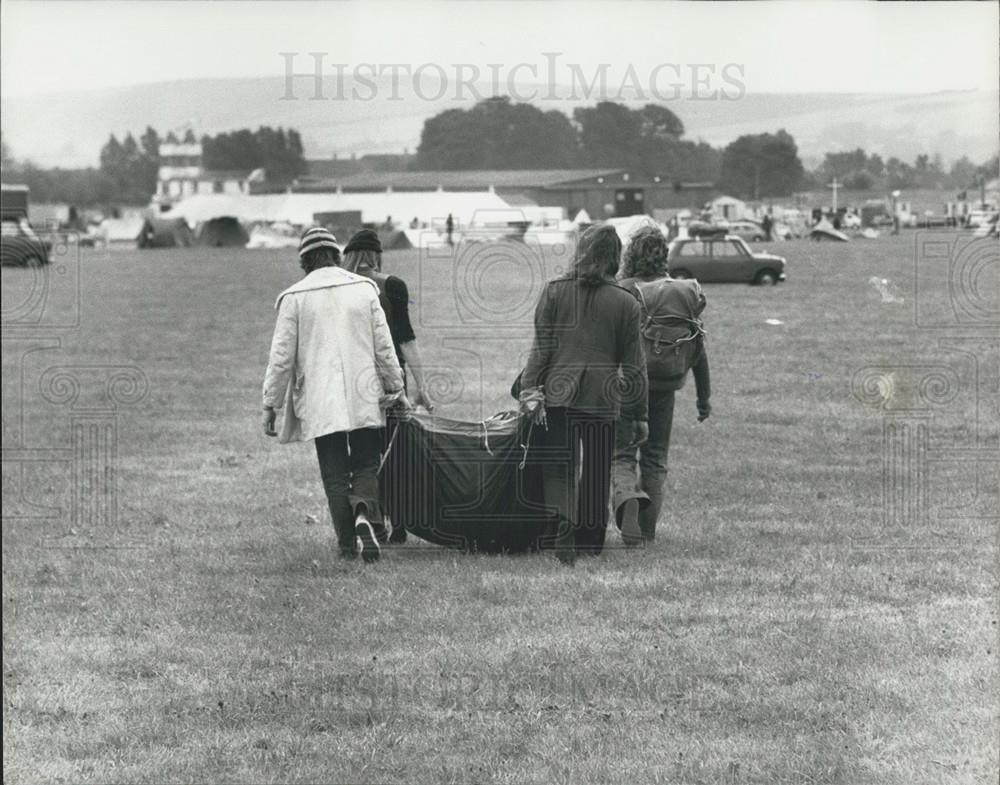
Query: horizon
pixel 116 68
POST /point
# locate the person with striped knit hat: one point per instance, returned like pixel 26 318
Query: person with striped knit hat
pixel 333 369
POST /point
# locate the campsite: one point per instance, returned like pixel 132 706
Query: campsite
pixel 783 628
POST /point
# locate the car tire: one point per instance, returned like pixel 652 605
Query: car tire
pixel 757 238
pixel 680 274
pixel 766 277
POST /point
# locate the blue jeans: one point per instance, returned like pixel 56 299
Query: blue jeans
pixel 642 473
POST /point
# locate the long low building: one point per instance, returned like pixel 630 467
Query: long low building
pixel 602 193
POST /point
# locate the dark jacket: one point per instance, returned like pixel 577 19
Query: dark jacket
pixel 686 299
pixel 587 353
pixel 394 298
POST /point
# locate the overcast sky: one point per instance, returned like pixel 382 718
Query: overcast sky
pixel 782 46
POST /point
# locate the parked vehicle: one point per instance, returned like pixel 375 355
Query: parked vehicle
pixel 990 227
pixel 723 259
pixel 19 245
pixel 748 230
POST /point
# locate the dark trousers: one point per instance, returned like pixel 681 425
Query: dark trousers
pixel 641 473
pixel 577 451
pixel 348 464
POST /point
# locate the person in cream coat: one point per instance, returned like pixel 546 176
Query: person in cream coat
pixel 333 369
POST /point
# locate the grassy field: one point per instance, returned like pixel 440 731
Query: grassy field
pixel 777 632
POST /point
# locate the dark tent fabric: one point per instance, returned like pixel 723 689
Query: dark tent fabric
pixel 825 231
pixel 166 233
pixel 471 486
pixel 222 232
pixel 394 241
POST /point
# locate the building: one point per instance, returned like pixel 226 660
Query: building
pixel 181 175
pixel 728 208
pixel 602 193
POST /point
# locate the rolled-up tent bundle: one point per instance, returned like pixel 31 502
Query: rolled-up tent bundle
pixel 471 486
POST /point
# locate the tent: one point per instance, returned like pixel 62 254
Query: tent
pixel 629 225
pixel 824 231
pixel 225 231
pixel 472 486
pixel 166 233
pixel 124 232
pixel 394 240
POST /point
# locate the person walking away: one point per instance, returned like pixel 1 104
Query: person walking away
pixel 673 340
pixel 333 369
pixel 767 225
pixel 363 256
pixel 585 364
pixel 449 227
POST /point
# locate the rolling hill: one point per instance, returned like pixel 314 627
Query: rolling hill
pixel 68 129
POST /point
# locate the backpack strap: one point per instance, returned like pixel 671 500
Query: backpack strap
pixel 695 325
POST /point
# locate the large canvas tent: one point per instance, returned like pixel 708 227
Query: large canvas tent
pixel 166 233
pixel 224 231
pixel 124 233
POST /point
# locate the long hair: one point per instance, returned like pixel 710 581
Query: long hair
pixel 597 255
pixel 361 261
pixel 319 257
pixel 646 254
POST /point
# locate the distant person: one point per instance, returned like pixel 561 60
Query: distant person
pixel 415 223
pixel 363 256
pixel 388 222
pixel 586 364
pixel 331 337
pixel 449 228
pixel 767 225
pixel 836 221
pixel 671 312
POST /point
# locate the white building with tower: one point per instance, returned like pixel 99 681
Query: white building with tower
pixel 181 174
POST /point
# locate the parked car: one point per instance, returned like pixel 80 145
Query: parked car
pixel 850 220
pixel 748 230
pixel 721 259
pixel 979 218
pixel 988 228
pixel 19 245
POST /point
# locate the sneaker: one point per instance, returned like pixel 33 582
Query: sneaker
pixel 631 533
pixel 398 536
pixel 366 535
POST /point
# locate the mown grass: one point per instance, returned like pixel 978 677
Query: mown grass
pixel 213 636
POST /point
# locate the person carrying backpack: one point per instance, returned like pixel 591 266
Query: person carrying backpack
pixel 674 342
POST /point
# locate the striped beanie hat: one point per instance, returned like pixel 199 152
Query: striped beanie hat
pixel 317 237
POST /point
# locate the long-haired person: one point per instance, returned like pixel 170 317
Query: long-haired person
pixel 674 343
pixel 333 368
pixel 587 362
pixel 363 255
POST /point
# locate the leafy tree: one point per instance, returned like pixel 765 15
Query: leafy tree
pixel 610 134
pixel 660 123
pixel 277 151
pixel 761 165
pixel 497 134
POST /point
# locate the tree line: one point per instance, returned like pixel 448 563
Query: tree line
pixel 127 172
pixel 497 133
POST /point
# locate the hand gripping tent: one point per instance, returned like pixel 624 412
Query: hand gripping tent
pixel 472 486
